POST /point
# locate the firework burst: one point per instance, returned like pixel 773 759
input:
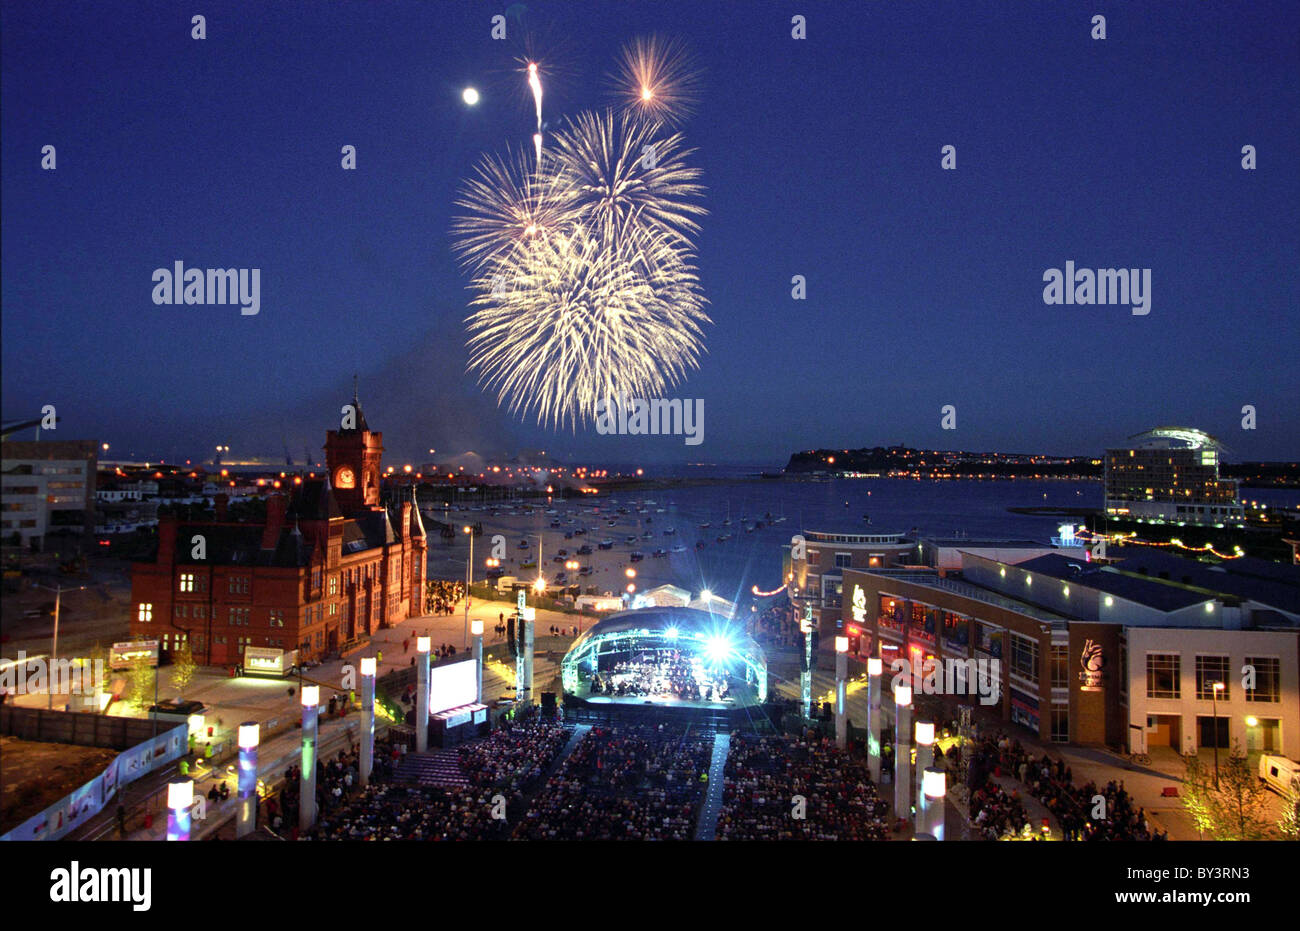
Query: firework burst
pixel 658 77
pixel 582 268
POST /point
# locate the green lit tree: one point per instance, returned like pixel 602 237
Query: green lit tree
pixel 1288 824
pixel 1235 808
pixel 183 667
pixel 140 693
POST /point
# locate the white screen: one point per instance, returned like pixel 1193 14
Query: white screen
pixel 452 685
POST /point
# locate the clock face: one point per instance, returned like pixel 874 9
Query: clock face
pixel 345 479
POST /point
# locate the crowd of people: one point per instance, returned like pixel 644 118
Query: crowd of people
pixel 386 811
pixel 1051 782
pixel 668 675
pixel 441 596
pixel 797 788
pixel 996 813
pixel 514 759
pixel 627 782
pixel 777 626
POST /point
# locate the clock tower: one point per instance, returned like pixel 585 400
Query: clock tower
pixel 353 455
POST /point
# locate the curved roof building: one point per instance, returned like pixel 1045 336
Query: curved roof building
pixel 718 642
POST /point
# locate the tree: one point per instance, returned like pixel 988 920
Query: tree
pixel 183 667
pixel 142 683
pixel 1235 809
pixel 1288 824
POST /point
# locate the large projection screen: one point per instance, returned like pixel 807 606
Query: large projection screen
pixel 452 685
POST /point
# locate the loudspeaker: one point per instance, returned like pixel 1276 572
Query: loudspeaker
pixel 548 701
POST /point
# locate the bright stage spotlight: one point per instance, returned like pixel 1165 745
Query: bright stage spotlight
pixel 717 648
pixel 671 633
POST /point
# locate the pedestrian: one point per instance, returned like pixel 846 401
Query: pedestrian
pixel 121 822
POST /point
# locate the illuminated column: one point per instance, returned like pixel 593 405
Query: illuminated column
pixel 524 689
pixel 422 647
pixel 367 718
pixel 246 820
pixel 902 752
pixel 929 813
pixel 180 796
pixel 805 680
pixel 875 666
pixel 841 692
pixel 476 628
pixel 307 775
pixel 924 756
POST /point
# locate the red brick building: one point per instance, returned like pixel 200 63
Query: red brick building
pixel 328 567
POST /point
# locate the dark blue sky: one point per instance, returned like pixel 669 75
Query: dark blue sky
pixel 821 158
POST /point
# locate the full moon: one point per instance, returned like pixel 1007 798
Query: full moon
pixel 470 96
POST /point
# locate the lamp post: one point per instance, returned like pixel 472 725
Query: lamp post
pixel 422 647
pixel 1214 692
pixel 902 753
pixel 934 788
pixel 367 719
pixel 805 680
pixel 307 773
pixel 924 755
pixel 180 796
pixel 54 645
pixel 469 578
pixel 875 666
pixel 249 737
pixel 524 673
pixel 841 692
pixel 476 628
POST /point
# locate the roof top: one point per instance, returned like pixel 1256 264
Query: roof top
pixel 1151 593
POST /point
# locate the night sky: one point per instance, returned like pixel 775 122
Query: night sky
pixel 821 158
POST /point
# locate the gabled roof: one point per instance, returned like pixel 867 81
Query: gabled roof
pixel 314 500
pixel 239 545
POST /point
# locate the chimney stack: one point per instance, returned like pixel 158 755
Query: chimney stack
pixel 276 506
pixel 168 525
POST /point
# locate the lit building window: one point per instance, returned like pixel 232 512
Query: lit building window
pixel 187 581
pixel 145 613
pixel 1163 675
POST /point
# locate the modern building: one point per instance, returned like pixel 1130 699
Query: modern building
pixel 1171 475
pixel 47 487
pixel 1123 655
pixel 815 561
pixel 327 567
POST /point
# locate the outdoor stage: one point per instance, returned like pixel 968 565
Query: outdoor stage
pixel 666 664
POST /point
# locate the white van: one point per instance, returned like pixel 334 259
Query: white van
pixel 1277 772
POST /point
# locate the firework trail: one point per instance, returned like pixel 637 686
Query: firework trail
pixel 535 82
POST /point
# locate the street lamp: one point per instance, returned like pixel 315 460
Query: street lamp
pixel 54 646
pixel 309 697
pixel 469 578
pixel 476 628
pixel 367 718
pixel 180 796
pixel 902 753
pixel 423 646
pixel 1214 692
pixel 249 737
pixel 875 667
pixel 841 691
